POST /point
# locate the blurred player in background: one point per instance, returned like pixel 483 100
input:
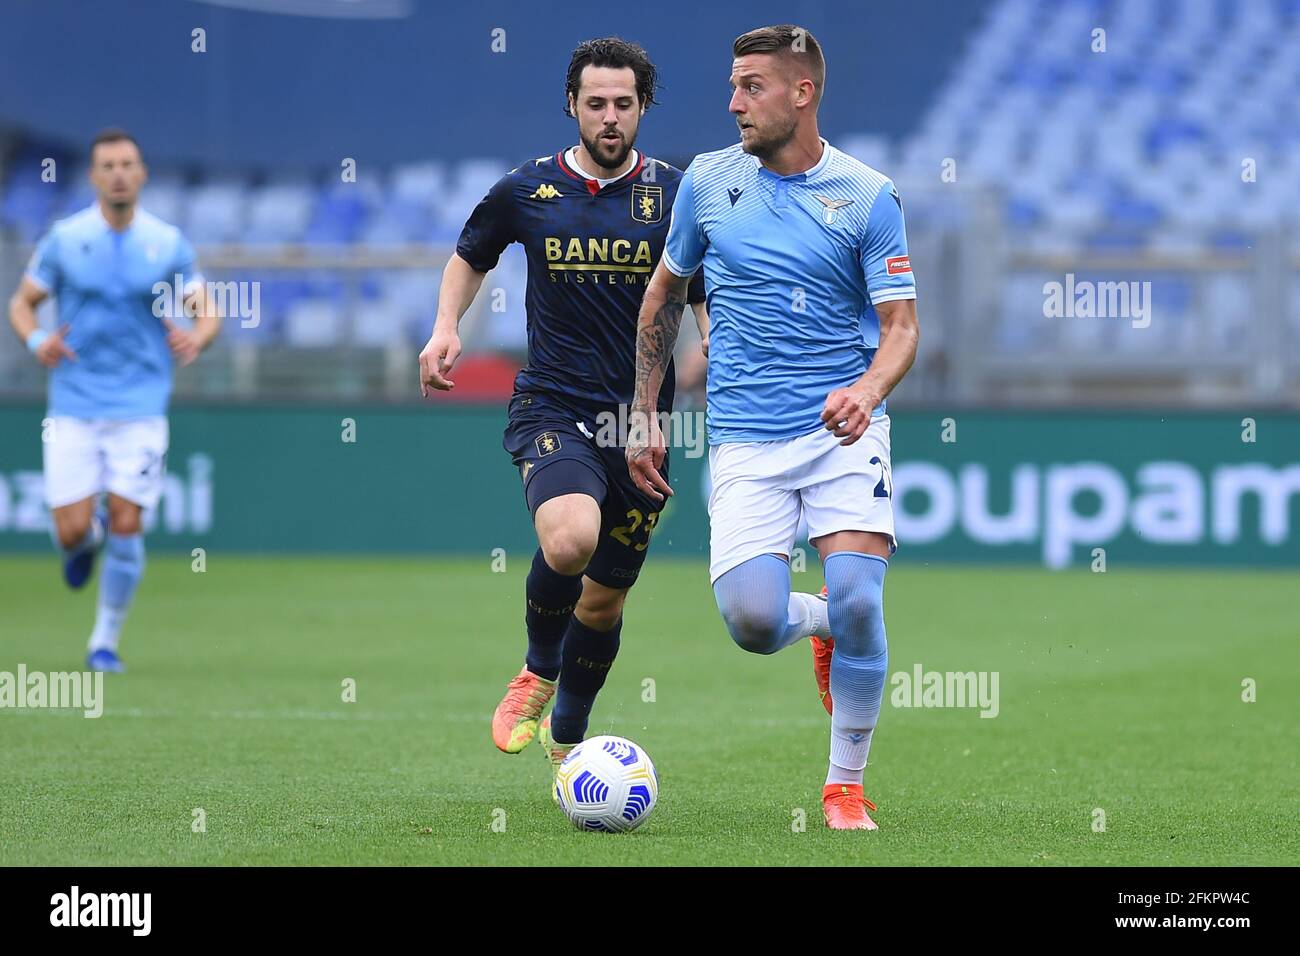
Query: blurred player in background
pixel 592 220
pixel 110 362
pixel 812 323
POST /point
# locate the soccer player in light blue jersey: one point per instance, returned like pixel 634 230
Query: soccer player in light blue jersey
pixel 812 324
pixel 110 362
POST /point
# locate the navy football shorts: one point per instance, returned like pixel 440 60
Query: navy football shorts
pixel 554 445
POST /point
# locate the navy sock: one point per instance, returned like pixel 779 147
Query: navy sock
pixel 588 655
pixel 551 599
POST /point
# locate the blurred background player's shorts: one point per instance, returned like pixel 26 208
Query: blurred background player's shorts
pixel 85 456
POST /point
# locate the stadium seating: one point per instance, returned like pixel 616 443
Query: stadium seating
pixel 1181 138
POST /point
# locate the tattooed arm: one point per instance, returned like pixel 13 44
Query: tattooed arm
pixel 657 327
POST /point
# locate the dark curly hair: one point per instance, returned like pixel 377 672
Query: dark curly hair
pixel 618 53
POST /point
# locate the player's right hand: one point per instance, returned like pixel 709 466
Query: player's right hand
pixel 437 359
pixel 646 451
pixel 54 350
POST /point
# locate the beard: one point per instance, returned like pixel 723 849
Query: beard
pixel 768 144
pixel 117 200
pixel 597 150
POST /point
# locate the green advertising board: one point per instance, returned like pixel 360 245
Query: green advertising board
pixel 1046 488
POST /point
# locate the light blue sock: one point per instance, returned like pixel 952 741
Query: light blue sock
pixel 123 568
pixel 761 613
pixel 856 586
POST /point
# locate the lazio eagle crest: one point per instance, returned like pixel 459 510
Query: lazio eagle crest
pixel 833 206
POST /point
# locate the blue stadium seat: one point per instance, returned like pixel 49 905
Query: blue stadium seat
pixel 278 214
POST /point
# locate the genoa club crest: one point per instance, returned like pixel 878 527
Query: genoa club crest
pixel 647 203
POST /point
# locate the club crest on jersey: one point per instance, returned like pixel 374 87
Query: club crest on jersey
pixel 647 203
pixel 546 191
pixel 833 206
pixel 547 443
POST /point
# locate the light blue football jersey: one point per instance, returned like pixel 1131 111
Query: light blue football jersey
pixel 104 284
pixel 793 269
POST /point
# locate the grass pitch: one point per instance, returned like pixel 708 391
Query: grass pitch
pixel 1119 692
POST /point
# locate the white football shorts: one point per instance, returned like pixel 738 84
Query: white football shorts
pixel 760 490
pixel 86 456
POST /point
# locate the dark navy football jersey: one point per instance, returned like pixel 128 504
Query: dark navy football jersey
pixel 591 251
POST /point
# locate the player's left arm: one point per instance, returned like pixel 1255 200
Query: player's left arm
pixel 187 343
pixel 701 309
pixel 887 270
pixel 702 320
pixel 848 410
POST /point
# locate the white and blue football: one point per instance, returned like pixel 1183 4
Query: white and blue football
pixel 607 784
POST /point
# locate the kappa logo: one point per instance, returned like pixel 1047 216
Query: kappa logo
pixel 833 206
pixel 546 191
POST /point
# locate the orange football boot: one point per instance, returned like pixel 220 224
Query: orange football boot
pixel 514 724
pixel 845 808
pixel 822 650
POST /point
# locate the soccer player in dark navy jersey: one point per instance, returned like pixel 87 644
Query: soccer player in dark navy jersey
pixel 592 220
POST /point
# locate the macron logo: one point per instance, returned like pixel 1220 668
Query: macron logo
pixel 102 909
